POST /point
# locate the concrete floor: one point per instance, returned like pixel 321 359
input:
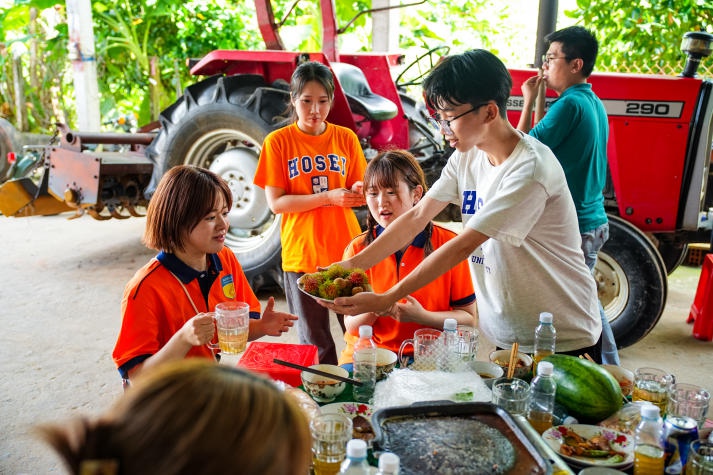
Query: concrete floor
pixel 60 312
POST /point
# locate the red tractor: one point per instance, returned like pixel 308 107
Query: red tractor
pixel 659 156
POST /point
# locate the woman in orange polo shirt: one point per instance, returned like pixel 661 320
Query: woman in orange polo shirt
pixel 393 184
pixel 165 303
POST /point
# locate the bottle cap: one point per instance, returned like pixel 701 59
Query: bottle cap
pixel 569 420
pixel 356 448
pixel 388 462
pixel 650 411
pixel 545 317
pixel 365 331
pixel 545 368
pixel 450 324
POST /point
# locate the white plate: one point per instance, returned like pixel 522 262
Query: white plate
pixel 618 441
pixel 349 409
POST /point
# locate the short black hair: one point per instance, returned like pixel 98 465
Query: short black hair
pixel 472 77
pixel 577 42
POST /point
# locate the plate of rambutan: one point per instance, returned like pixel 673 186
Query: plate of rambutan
pixel 334 282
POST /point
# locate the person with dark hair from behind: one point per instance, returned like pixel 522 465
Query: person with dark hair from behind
pixel 165 304
pixel 520 232
pixel 189 417
pixel 576 128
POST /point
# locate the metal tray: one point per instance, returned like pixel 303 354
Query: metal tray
pixel 527 458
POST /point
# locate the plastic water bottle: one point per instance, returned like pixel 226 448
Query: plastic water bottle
pixel 355 463
pixel 545 337
pixel 451 345
pixel 649 442
pixel 388 464
pixel 541 402
pixel 364 365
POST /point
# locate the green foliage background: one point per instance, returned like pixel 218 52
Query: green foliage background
pixel 129 33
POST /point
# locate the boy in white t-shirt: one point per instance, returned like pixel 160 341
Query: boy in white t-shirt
pixel 520 233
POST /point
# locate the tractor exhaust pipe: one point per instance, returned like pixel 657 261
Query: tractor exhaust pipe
pixel 696 45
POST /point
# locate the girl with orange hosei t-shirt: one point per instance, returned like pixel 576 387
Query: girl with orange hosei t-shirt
pixel 311 171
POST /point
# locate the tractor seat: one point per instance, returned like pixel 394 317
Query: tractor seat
pixel 361 99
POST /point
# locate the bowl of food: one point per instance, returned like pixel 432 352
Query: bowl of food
pixel 487 370
pixel 523 364
pixel 385 362
pixel 323 388
pixel 623 376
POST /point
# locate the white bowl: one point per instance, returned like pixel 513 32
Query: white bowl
pixel 487 370
pixel 623 376
pixel 385 362
pixel 523 369
pixel 321 388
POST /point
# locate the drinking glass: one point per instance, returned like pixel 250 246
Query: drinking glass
pixel 467 343
pixel 428 348
pixel 232 320
pixel 330 434
pixel 652 384
pixel 700 458
pixel 511 394
pixel 688 400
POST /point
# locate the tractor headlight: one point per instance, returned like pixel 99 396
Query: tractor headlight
pixel 696 45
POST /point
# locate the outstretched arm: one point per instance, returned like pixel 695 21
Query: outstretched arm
pixel 436 264
pixel 396 236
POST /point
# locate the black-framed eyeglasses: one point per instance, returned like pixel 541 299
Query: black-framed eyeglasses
pixel 547 58
pixel 444 124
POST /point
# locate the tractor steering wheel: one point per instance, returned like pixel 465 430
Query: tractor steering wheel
pixel 413 74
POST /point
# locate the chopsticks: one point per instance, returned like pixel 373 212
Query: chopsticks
pixel 513 360
pixel 317 371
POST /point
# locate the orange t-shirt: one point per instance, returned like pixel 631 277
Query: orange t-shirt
pixel 155 307
pixel 452 289
pixel 303 164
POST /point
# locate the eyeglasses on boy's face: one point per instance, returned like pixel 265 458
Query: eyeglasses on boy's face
pixel 546 58
pixel 445 124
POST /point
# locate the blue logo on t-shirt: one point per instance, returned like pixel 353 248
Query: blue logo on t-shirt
pixel 471 202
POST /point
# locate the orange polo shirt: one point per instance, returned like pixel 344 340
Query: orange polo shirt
pixel 155 307
pixel 452 289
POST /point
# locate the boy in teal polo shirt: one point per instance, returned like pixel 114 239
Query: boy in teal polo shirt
pixel 576 129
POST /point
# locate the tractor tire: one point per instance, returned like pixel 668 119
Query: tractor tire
pixel 631 282
pixel 672 251
pixel 10 141
pixel 220 124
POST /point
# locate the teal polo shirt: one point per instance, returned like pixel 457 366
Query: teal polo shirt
pixel 576 128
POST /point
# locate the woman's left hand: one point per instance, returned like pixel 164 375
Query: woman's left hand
pixel 276 323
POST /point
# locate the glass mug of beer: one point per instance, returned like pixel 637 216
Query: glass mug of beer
pixel 330 434
pixel 653 385
pixel 232 320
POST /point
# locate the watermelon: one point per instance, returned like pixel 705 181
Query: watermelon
pixel 587 391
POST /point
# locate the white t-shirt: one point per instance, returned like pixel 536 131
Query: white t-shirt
pixel 533 261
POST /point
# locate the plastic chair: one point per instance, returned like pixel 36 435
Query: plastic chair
pixel 702 309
